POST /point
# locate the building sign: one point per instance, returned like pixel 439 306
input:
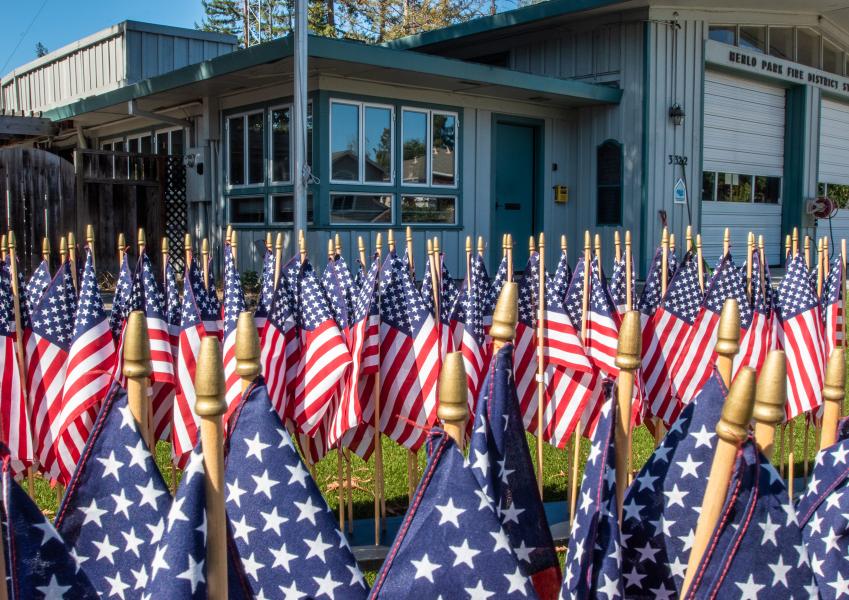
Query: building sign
pixel 680 192
pixel 764 65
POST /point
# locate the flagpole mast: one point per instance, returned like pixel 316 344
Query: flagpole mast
pixel 727 339
pixel 299 116
pixel 628 349
pixel 732 430
pixel 505 316
pixel 204 257
pixel 72 258
pixel 361 247
pixel 278 258
pixel 509 250
pixel 378 441
pixel 137 369
pixel 453 408
pixel 833 393
pixel 340 467
pixel 629 275
pixel 540 360
pixel 576 435
pixel 700 260
pixel 187 248
pixel 770 397
pixel 664 283
pixel 89 240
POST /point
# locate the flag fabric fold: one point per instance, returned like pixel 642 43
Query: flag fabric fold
pixel 16 430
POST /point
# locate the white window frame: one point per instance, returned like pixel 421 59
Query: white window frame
pixel 429 148
pixel 170 131
pixel 362 223
pixel 361 158
pixel 244 116
pixel 139 136
pixel 429 223
pixel 270 161
pixel 754 176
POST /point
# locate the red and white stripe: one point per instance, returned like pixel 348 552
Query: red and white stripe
pixel 279 354
pixel 602 336
pixel 754 344
pixel 162 380
pixel 46 368
pixel 694 364
pixel 184 421
pixel 525 367
pixel 663 335
pixel 13 406
pixel 561 344
pixel 801 338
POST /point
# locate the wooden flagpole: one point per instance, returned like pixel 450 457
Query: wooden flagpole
pixel 340 470
pixel 72 258
pixel 727 339
pixel 412 457
pixel 790 433
pixel 629 306
pixel 789 250
pixel 833 392
pixel 659 429
pixel 278 258
pixel 701 262
pixel 378 441
pixel 302 253
pixel 137 369
pixel 628 349
pixel 204 257
pixel 726 241
pixel 540 361
pixel 750 249
pixel 19 340
pixel 770 397
pixel 453 408
pixel 617 246
pixel 210 406
pixel 509 257
pixel 732 430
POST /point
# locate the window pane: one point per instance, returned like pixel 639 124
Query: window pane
pixel 708 181
pixel 734 188
pixel 767 189
pixel 280 169
pixel 378 144
pixel 781 42
pixel 236 150
pixel 145 145
pixel 807 47
pixel 256 171
pixel 832 58
pixel 107 146
pixel 345 141
pixel 309 133
pixel 609 183
pixel 177 145
pixel 723 33
pixel 247 210
pixel 360 208
pixel 162 143
pixel 429 209
pixel 414 125
pixel 444 143
pixel 133 145
pixel 283 209
pixel 753 38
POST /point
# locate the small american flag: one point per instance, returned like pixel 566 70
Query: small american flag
pixel 800 335
pixel 501 463
pixel 38 563
pixel 279 344
pixel 266 293
pixel 35 287
pixel 562 339
pixel 13 406
pixel 755 342
pixel 409 357
pixel 447 297
pixel 832 307
pixel 451 543
pixel 210 307
pixel 234 304
pixel 619 287
pixel 602 324
pixel 283 530
pixel 525 354
pixel 47 361
pixel 121 302
pixel 113 514
pixel 89 374
pixel 594 556
pixel 173 307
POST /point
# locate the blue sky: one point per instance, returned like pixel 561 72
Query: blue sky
pixel 60 22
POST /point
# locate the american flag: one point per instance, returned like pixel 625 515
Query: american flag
pixel 121 302
pixel 447 297
pixel 184 425
pixel 619 287
pixel 570 379
pixel 91 363
pixel 279 344
pixel 501 463
pixel 324 356
pixel 665 331
pixel 602 324
pixel 234 304
pixel 594 556
pixel 409 357
pixel 113 514
pixel 38 563
pixel 467 324
pixel 35 287
pixel 525 354
pixel 757 548
pixel 178 568
pixel 495 291
pixel 266 293
pixel 13 406
pixel 149 298
pixel 345 281
pixel 210 307
pixel 283 530
pixel 47 361
pixel 173 307
pixel 832 307
pixel 695 361
pixel 755 342
pixel 800 335
pixel 822 515
pixel 451 543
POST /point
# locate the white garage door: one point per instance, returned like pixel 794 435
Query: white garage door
pixel 743 163
pixel 834 164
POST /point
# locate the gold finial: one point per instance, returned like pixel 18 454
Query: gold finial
pixel 247 349
pixel 833 392
pixel 563 244
pixel 390 240
pixel 795 242
pixel 506 314
pixel 228 233
pixel 617 246
pixel 688 238
pixel 165 248
pixel 137 346
pixel 808 251
pixel 429 247
pixel 628 349
pixel 234 242
pixel 664 238
pixel 627 238
pixel 45 249
pixel 278 241
pixel 508 241
pixel 269 242
pixel 481 246
pixel 12 241
pixel 337 239
pixel 727 338
pixel 4 247
pixel 378 243
pixel 187 243
pixel 733 425
pixel 409 234
pixel 726 241
pixel 532 245
pixel 760 242
pixel 63 249
pixel 209 379
pixel 361 245
pixel 436 245
pixel 122 243
pixel 597 246
pixel 541 243
pixel 142 241
pixel 89 235
pixel 770 397
pixel 468 244
pixel 330 249
pixel 629 344
pixel 787 245
pixel 587 243
pixel 671 243
pixel 453 409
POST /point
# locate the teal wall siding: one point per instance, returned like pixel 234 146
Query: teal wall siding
pixel 800 157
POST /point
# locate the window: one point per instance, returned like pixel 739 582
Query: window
pixel 832 58
pixel 281 168
pixel 283 209
pixel 753 38
pixel 808 47
pixel 836 191
pixel 609 183
pixel 247 210
pixel 767 190
pixel 429 159
pixel 245 149
pixel 727 34
pixel 708 185
pixel 170 142
pixel 429 209
pixel 140 145
pixel 781 42
pixel 360 208
pixel 732 187
pixel 360 142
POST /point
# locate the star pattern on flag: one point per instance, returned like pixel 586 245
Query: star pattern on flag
pixel 121 300
pixel 53 319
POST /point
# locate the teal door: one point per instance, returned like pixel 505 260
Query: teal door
pixel 513 200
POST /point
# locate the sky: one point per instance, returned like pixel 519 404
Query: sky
pixel 55 23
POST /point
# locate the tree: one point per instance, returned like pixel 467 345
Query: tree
pixel 269 19
pixel 40 50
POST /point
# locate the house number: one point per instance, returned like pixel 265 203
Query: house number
pixel 678 159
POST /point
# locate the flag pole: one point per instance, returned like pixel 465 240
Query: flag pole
pixel 337 239
pixel 72 258
pixel 833 392
pixel 770 397
pixel 761 265
pixel 122 248
pixel 137 369
pixel 726 241
pixel 629 275
pixel 843 289
pixel 727 339
pixel 453 408
pixel 234 245
pixel 628 348
pixel 791 449
pixel 204 257
pixel 789 250
pixel 505 316
pixel 576 435
pixel 361 247
pixel 4 247
pixel 299 117
pixel 210 406
pixel 278 257
pixel 63 250
pixel 165 259
pixel 89 240
pixel 671 243
pixel 732 430
pixel 540 361
pixel 664 284
pixel 617 246
pixel 378 439
pixel 509 249
pixel 187 248
pixel 340 467
pixel 45 250
pixel 247 352
pixel 700 260
pixel 750 249
pixel 302 253
pixel 19 340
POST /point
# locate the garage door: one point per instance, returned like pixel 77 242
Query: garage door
pixel 834 164
pixel 742 162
